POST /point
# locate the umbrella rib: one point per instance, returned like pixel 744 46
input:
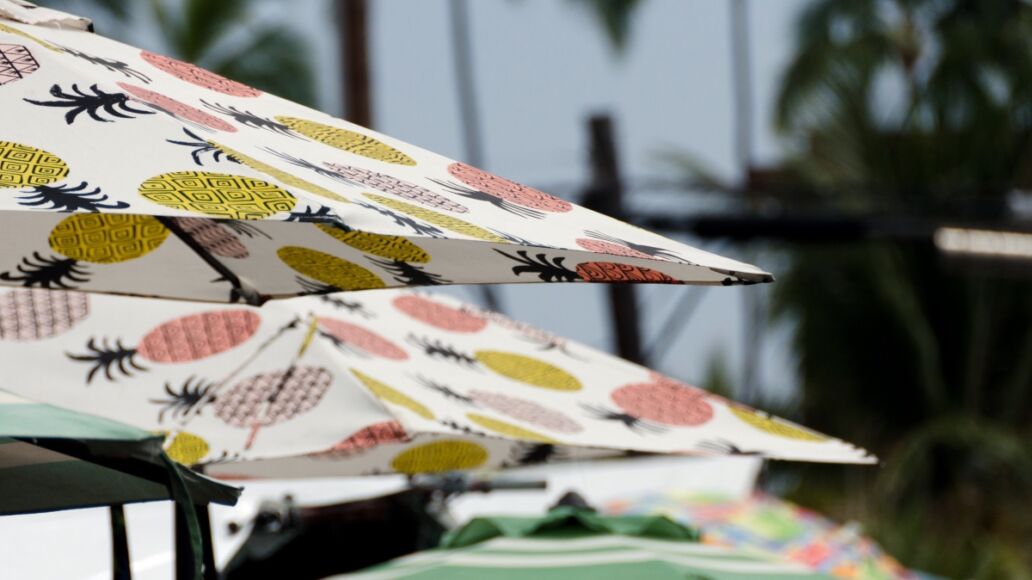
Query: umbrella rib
pixel 248 294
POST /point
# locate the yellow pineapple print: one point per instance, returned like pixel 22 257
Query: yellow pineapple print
pixel 217 194
pixel 440 456
pixel 24 166
pixel 186 448
pixel 508 429
pixel 438 219
pixel 390 247
pixel 775 426
pixel 282 176
pixel 39 41
pixel 345 140
pixel 528 370
pixel 394 396
pixel 329 269
pixel 105 238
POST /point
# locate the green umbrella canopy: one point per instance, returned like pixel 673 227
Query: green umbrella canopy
pixel 572 543
pixel 53 459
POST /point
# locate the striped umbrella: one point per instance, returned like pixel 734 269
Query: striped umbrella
pixel 571 543
pixel 135 173
pixel 360 383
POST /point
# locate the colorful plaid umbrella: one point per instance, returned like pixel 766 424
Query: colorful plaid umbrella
pixel 134 173
pixel 370 382
pixel 774 527
pixel 571 543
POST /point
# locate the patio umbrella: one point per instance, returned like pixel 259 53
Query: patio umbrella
pixel 772 526
pixel 572 543
pixel 373 382
pixel 135 173
pixel 54 459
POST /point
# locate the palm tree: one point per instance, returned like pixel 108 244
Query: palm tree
pixel 614 18
pixel 925 107
pixel 917 106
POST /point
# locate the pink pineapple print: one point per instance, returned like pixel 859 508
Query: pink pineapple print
pixel 662 401
pixel 256 402
pixel 368 437
pixel 16 62
pixel 394 186
pixel 607 244
pixel 529 412
pixel 502 193
pixel 184 339
pixel 220 237
pixel 352 336
pixel 36 314
pixel 439 315
pixel 196 75
pixel 177 109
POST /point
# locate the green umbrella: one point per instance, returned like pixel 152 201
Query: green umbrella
pixel 572 543
pixel 54 459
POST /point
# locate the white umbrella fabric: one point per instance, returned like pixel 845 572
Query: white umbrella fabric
pixel 130 172
pixel 371 382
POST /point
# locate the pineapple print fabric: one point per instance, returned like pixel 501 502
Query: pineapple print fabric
pixel 240 194
pixel 360 383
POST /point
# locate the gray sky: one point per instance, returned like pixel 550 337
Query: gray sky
pixel 543 66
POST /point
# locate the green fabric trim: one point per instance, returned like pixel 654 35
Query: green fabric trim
pixel 635 571
pixel 181 495
pixel 567 522
pixel 69 485
pixel 37 420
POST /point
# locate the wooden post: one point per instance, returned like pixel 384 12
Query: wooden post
pixel 469 109
pixel 605 195
pixel 353 32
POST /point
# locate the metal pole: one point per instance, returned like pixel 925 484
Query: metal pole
pixel 121 569
pixel 185 563
pixel 605 195
pixel 469 110
pixel 752 298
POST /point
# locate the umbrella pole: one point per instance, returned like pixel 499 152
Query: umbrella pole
pixel 240 292
pixel 119 544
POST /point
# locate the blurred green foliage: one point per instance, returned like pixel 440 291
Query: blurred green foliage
pixel 220 35
pixel 921 108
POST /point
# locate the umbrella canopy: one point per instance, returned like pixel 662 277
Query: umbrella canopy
pixel 54 459
pixel 772 526
pixel 571 543
pixel 388 381
pixel 135 173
